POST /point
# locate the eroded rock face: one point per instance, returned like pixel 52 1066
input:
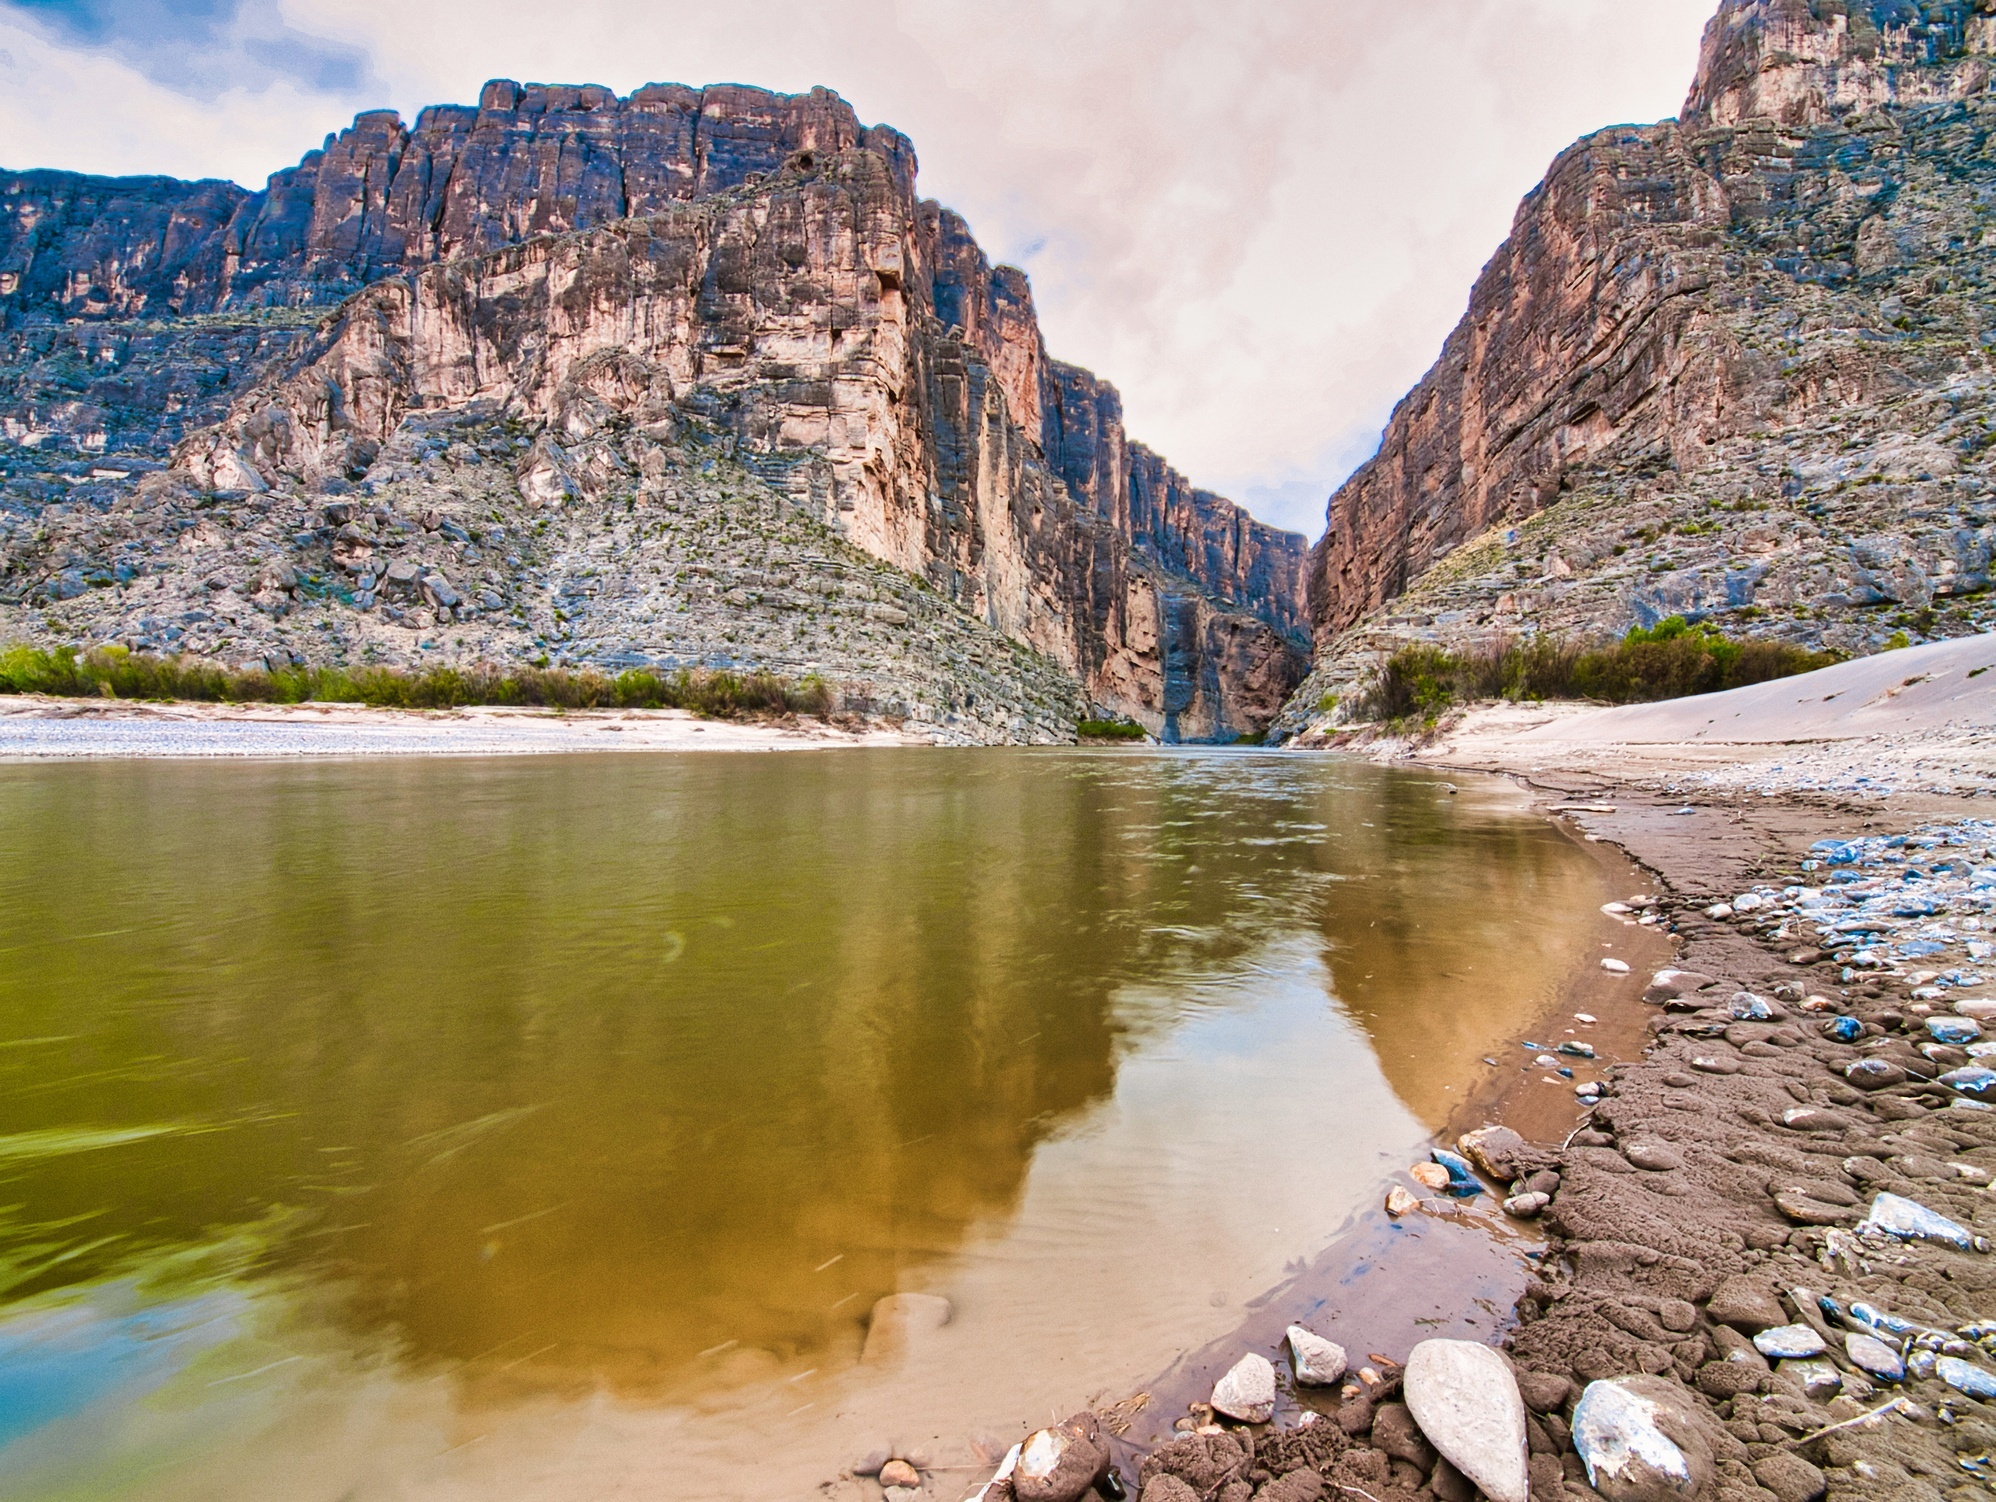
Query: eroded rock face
pixel 383 197
pixel 623 275
pixel 1728 367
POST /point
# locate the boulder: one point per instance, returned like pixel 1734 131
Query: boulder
pixel 1318 1362
pixel 1247 1392
pixel 1061 1463
pixel 1466 1400
pixel 1640 1439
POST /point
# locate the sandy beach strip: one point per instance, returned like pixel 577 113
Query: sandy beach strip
pixel 35 727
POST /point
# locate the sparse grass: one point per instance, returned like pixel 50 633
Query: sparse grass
pixel 114 673
pixel 1668 661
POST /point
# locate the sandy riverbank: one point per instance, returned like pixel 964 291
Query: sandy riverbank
pixel 1718 1187
pixel 35 727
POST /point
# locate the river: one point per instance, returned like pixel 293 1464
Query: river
pixel 549 1127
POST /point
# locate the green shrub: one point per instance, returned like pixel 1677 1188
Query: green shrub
pixel 1110 730
pixel 1667 661
pixel 113 672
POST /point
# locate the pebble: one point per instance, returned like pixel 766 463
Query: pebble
pixel 1955 1030
pixel 1461 1176
pixel 1615 967
pixel 1493 1149
pixel 1966 1377
pixel 1247 1392
pixel 1908 1220
pixel 1429 1175
pixel 1974 1079
pixel 1875 1074
pixel 1789 1477
pixel 1399 1202
pixel 1716 1064
pixel 1587 1018
pixel 1719 910
pixel 1843 1029
pixel 1870 1354
pixel 1820 1380
pixel 1466 1400
pixel 1657 1157
pixel 899 1473
pixel 1789 1343
pixel 1318 1362
pixel 1619 1432
pixel 1061 1464
pixel 1527 1206
pixel 1577 1050
pixel 1746 1303
pixel 1812 1119
pixel 900 1320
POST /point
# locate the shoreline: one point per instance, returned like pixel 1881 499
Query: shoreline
pixel 1666 1246
pixel 43 728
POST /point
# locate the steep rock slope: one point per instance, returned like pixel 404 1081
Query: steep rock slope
pixel 771 280
pixel 1734 364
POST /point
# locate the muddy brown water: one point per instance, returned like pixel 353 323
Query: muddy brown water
pixel 549 1128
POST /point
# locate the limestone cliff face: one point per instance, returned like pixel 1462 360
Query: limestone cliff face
pixel 741 263
pixel 1694 378
pixel 798 316
pixel 382 197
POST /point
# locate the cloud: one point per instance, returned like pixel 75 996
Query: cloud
pixel 204 48
pixel 1259 220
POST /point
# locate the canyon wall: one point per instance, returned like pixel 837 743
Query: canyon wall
pixel 755 265
pixel 1732 365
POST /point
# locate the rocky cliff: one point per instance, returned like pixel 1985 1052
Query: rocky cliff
pixel 747 274
pixel 1733 365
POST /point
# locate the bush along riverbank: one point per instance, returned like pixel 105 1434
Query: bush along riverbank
pixel 1770 1276
pixel 112 672
pixel 1668 661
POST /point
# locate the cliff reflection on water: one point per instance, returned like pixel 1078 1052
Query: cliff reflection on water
pixel 627 1073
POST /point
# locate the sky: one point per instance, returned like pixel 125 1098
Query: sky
pixel 1258 218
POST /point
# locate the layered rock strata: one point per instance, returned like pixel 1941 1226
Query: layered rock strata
pixel 1731 366
pixel 759 272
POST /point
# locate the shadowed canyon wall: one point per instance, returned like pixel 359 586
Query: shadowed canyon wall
pixel 1731 365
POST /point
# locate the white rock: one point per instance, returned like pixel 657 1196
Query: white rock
pixel 1719 910
pixel 1318 1362
pixel 1465 1398
pixel 1981 1008
pixel 1613 967
pixel 1748 902
pixel 1247 1392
